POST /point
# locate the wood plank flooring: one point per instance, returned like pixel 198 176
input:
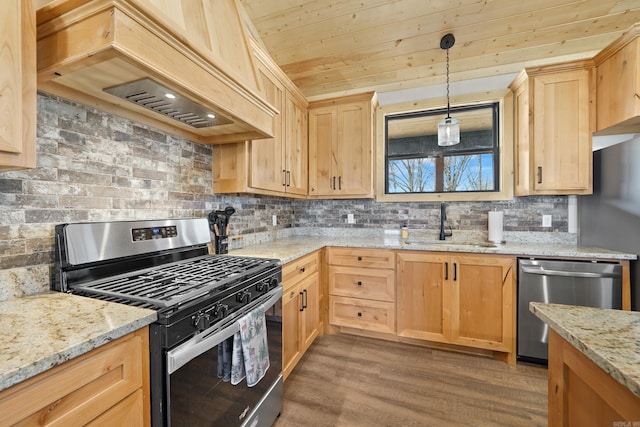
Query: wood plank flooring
pixel 345 380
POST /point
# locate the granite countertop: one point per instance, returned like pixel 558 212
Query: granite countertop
pixel 610 338
pixel 41 331
pixel 290 248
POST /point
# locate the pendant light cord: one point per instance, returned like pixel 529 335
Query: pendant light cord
pixel 448 115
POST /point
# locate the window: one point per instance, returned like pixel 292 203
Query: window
pixel 415 164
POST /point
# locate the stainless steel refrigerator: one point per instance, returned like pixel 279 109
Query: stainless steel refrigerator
pixel 610 217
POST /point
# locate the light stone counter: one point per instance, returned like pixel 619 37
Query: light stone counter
pixel 289 248
pixel 609 338
pixel 42 331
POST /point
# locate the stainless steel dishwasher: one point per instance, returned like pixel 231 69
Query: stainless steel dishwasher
pixel 587 284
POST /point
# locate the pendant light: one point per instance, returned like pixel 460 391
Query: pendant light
pixel 448 128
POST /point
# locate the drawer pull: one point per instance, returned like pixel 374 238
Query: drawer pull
pixel 359 258
pixel 359 283
pixel 359 314
pixel 302 270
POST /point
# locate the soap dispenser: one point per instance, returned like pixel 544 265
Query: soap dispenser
pixel 404 231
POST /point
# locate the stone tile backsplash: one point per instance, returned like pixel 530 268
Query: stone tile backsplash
pixel 94 166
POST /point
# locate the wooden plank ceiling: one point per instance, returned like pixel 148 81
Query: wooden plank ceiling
pixel 337 47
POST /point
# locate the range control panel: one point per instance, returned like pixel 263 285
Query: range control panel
pixel 152 233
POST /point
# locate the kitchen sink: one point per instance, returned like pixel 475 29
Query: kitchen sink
pixel 453 244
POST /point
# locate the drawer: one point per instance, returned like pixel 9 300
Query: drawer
pixel 356 257
pixel 78 391
pixel 368 283
pixel 357 313
pixel 297 270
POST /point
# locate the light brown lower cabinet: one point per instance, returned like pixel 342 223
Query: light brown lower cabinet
pixel 362 289
pixel 300 309
pixel 582 394
pixel 462 299
pixel 107 386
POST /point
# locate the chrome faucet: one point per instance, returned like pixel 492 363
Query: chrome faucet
pixel 443 218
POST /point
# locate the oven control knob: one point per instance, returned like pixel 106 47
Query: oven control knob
pixel 201 321
pixel 262 287
pixel 244 297
pixel 220 311
pixel 273 283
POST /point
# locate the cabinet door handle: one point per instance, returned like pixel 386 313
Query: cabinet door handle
pixel 288 178
pixel 359 314
pixel 359 258
pixel 446 271
pixel 359 283
pixel 284 178
pixel 539 174
pixel 340 182
pixel 305 299
pixel 301 301
pixel 455 271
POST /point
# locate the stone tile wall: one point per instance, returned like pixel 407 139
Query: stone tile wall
pixel 94 166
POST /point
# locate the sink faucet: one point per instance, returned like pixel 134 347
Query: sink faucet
pixel 443 218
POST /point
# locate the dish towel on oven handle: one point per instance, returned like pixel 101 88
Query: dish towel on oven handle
pixel 250 356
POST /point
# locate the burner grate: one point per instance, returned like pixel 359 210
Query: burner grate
pixel 175 283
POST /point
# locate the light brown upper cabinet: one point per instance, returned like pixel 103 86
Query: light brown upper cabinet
pixel 554 115
pixel 618 69
pixel 274 166
pixel 17 86
pixel 341 146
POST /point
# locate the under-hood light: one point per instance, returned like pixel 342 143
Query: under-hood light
pixel 153 96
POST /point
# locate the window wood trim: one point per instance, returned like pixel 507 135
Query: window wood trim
pixel 504 98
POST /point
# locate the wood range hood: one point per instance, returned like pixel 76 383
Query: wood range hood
pixel 197 50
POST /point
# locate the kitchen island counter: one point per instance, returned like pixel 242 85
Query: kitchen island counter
pixel 594 365
pixel 609 338
pixel 46 330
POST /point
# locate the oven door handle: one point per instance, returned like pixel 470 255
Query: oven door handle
pixel 203 342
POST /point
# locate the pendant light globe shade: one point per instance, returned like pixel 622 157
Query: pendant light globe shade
pixel 448 132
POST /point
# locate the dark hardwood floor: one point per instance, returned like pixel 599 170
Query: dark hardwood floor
pixel 345 380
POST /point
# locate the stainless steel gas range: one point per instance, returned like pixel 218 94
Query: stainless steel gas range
pixel 199 298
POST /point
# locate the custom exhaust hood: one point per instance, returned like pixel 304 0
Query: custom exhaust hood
pixel 184 67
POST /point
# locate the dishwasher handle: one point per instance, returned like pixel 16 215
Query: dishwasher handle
pixel 563 273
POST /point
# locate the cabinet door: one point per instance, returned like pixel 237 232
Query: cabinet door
pixel 562 132
pixel 423 295
pixel 17 86
pixel 297 143
pixel 323 140
pixel 482 301
pixel 522 153
pixel 267 164
pixel 291 335
pixel 310 315
pixel 619 90
pixel 354 149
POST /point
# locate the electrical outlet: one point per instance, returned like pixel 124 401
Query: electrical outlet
pixel 350 219
pixel 546 220
pixel 274 219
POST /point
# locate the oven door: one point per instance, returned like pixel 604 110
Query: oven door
pixel 197 397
